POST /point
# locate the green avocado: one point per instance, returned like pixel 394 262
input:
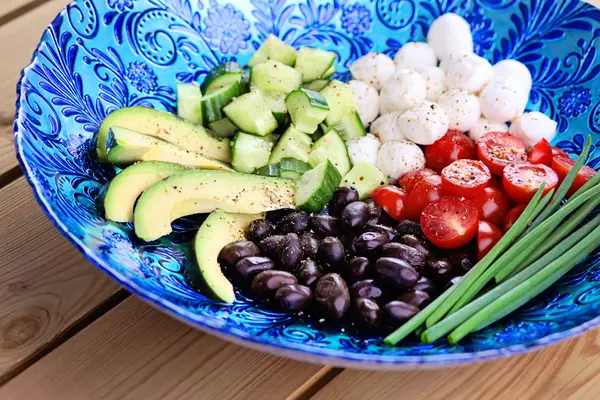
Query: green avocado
pixel 128 185
pixel 164 126
pixel 199 191
pixel 126 147
pixel 204 271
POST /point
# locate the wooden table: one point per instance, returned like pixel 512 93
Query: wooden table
pixel 68 332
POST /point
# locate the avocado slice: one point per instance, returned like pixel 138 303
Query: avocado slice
pixel 194 191
pixel 127 147
pixel 204 271
pixel 165 126
pixel 128 185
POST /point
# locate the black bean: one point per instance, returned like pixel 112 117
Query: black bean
pixel 408 227
pixel 325 225
pixel 409 254
pixel 293 298
pixel 310 245
pixel 395 273
pixel 386 219
pixel 341 198
pixel 388 231
pixel 259 229
pixel 348 242
pixel 417 298
pixel 426 285
pixel 268 246
pixel 367 244
pixel 367 313
pixel 374 211
pixel 463 258
pixel 355 216
pixel 234 252
pixel 367 289
pixel 331 293
pixel 266 283
pixel 357 269
pixel 248 267
pixel 331 253
pixel 289 252
pixel 398 312
pixel 415 242
pixel 308 272
pixel 439 269
pixel 296 222
pixel 275 216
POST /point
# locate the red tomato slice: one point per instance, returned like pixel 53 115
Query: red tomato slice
pixel 522 180
pixel 559 152
pixel 541 153
pixel 487 237
pixel 498 149
pixel 562 166
pixel 425 191
pixel 410 179
pixel 454 145
pixel 512 216
pixel 492 205
pixel 450 222
pixel 466 178
pixel 392 199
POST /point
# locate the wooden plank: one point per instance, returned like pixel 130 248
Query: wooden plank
pixel 567 370
pixel 8 7
pixel 46 285
pixel 136 352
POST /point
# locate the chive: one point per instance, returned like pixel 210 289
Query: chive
pixel 529 289
pixel 452 321
pixel 437 313
pixel 589 184
pixel 518 253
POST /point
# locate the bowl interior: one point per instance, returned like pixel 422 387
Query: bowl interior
pixel 99 56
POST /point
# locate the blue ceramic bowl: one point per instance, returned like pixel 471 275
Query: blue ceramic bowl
pixel 98 56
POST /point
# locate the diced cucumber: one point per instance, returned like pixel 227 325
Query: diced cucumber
pixel 365 178
pixel 294 144
pixel 213 102
pixel 340 99
pixel 307 109
pixel 245 81
pixel 273 76
pixel 317 85
pixel 332 70
pixel 331 147
pixel 189 102
pixel 313 63
pixel 274 48
pixel 221 76
pixel 316 187
pixel 350 127
pixel 268 170
pixel 276 103
pixel 249 152
pixel 292 168
pixel 251 114
pixel 223 128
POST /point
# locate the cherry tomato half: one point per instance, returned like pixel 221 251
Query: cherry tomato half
pixel 512 216
pixel 410 179
pixel 425 191
pixel 559 152
pixel 466 178
pixel 487 237
pixel 562 166
pixel 492 205
pixel 541 153
pixel 454 145
pixel 392 199
pixel 499 149
pixel 521 180
pixel 450 222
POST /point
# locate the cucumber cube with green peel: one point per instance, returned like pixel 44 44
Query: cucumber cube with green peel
pixel 274 48
pixel 251 114
pixel 307 109
pixel 273 76
pixel 189 102
pixel 314 63
pixel 365 178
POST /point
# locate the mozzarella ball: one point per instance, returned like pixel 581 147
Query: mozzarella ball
pixel 462 107
pixel 386 128
pixel 452 57
pixel 484 126
pixel 403 90
pixel 424 124
pixel 469 72
pixel 363 149
pixel 514 70
pixel 373 68
pixel 502 100
pixel 532 127
pixel 398 157
pixel 450 33
pixel 366 99
pixel 416 56
pixel 435 82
